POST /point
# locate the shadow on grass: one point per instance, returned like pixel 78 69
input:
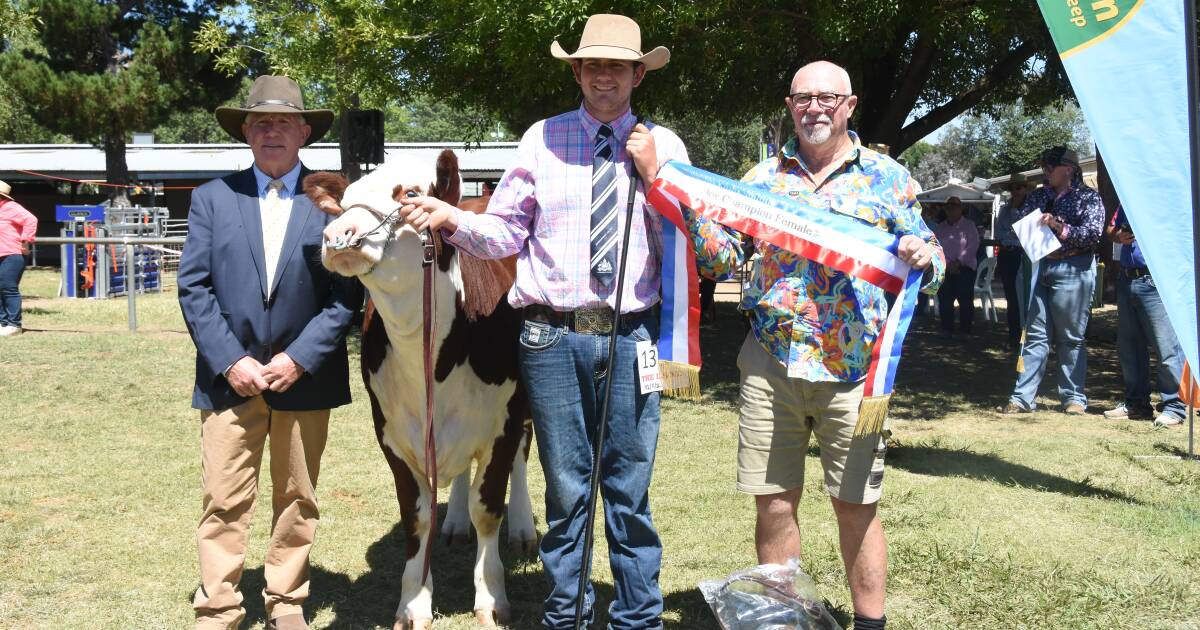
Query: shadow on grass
pixel 925 459
pixel 370 601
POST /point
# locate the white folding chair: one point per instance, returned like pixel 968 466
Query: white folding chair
pixel 983 288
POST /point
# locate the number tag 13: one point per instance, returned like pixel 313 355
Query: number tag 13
pixel 649 378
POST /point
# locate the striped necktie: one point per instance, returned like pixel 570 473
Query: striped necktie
pixel 604 209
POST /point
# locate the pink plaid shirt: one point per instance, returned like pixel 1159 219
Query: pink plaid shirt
pixel 17 225
pixel 541 212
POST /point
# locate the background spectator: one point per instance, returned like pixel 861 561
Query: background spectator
pixel 1143 322
pixel 960 240
pixel 17 229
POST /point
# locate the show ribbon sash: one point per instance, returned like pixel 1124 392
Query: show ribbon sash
pixel 679 318
pixel 814 232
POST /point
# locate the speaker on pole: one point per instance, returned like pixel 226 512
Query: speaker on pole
pixel 362 136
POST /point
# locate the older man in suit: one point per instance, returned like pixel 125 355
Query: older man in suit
pixel 269 325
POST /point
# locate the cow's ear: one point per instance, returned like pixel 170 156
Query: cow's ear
pixel 325 190
pixel 448 186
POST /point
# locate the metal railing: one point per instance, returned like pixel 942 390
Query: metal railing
pixel 130 243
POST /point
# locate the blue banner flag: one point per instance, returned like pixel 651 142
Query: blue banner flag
pixel 1127 62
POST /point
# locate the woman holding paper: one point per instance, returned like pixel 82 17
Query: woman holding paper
pixel 1064 282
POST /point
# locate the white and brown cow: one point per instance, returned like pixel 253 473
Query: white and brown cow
pixel 481 410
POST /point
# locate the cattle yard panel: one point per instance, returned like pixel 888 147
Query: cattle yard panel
pixel 108 270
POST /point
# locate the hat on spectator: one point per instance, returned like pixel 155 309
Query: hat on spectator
pixel 6 191
pixel 607 36
pixel 274 95
pixel 1057 156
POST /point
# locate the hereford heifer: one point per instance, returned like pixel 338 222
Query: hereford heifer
pixel 480 408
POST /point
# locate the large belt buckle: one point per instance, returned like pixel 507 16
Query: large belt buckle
pixel 594 321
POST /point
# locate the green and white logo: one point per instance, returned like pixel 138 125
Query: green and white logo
pixel 1075 24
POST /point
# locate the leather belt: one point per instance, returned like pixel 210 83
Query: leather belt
pixel 1068 253
pixel 589 321
pixel 1135 272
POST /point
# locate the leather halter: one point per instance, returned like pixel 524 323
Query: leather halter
pixel 390 220
pixel 428 332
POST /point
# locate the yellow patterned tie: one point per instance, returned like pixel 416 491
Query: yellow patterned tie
pixel 272 232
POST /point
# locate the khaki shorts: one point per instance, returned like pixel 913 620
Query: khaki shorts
pixel 777 416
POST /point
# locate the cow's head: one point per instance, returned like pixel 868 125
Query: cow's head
pixel 369 223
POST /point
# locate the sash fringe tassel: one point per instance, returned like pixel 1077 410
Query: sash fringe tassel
pixel 680 380
pixel 871 414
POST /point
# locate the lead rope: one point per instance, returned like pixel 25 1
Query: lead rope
pixel 428 304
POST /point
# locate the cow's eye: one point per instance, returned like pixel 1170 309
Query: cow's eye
pixel 412 193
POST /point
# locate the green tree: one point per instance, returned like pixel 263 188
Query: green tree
pixel 199 126
pixel 100 70
pixel 424 119
pixel 915 64
pixel 1008 139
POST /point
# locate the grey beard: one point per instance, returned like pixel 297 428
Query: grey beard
pixel 818 135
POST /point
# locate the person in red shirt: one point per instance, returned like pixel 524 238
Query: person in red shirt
pixel 17 229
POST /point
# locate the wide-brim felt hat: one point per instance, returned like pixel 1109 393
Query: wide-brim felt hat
pixel 274 95
pixel 6 191
pixel 607 36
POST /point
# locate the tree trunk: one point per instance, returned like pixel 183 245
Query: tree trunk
pixel 116 169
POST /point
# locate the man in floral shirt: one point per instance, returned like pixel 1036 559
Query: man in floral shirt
pixel 812 331
pixel 1062 298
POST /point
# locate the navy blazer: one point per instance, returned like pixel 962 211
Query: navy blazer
pixel 223 295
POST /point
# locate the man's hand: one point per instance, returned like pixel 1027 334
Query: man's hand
pixel 915 251
pixel 246 377
pixel 641 149
pixel 24 245
pixel 282 372
pixel 430 212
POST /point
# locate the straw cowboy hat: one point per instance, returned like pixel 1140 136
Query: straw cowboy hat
pixel 607 36
pixel 274 95
pixel 6 191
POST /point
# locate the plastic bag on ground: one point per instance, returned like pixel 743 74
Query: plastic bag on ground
pixel 768 597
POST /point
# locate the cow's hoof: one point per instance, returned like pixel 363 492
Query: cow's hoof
pixel 489 618
pixel 415 624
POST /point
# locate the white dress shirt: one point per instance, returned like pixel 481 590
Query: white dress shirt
pixel 275 209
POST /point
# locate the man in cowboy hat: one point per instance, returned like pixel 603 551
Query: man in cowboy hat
pixel 269 325
pixel 556 208
pixel 17 229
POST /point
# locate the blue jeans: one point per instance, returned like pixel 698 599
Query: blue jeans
pixel 565 373
pixel 1059 313
pixel 1143 323
pixel 11 269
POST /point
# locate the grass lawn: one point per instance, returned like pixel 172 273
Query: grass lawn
pixel 1035 521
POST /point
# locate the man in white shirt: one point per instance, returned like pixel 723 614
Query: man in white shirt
pixel 269 324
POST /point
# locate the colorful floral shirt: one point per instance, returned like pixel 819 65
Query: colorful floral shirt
pixel 1079 208
pixel 819 322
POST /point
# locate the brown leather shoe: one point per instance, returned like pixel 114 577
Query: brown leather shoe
pixel 1012 408
pixel 287 622
pixel 1074 409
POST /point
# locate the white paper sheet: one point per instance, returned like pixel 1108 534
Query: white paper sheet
pixel 1037 240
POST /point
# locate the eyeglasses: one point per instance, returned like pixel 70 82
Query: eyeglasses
pixel 827 100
